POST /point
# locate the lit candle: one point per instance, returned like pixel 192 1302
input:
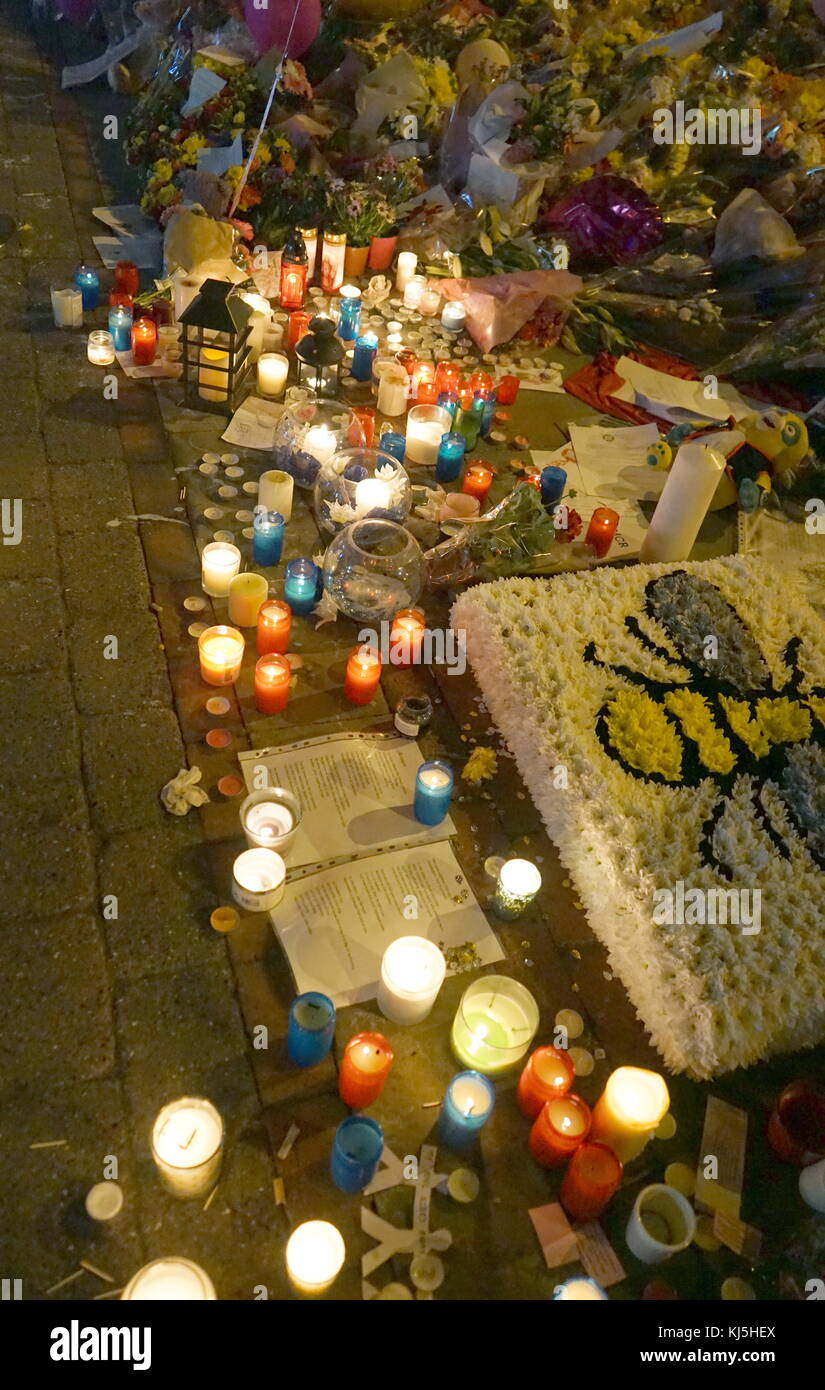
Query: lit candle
pixel 357 1146
pixel 258 880
pixel 661 1224
pixel 67 308
pixel 477 481
pixel 394 334
pixel 629 1111
pixel 485 403
pixel 273 369
pixel 333 256
pixel 683 504
pixel 213 374
pixel 467 1106
pixel 412 973
pixel 812 1185
pixel 423 375
pixel 120 327
pixel 518 883
pixel 448 400
pixel 270 818
pixel 447 376
pixel 220 563
pixel 560 1126
pixel 433 792
pixel 494 1025
pixel 187 1146
pixel 275 489
pixel 299 322
pixel 406 636
pixel 548 1073
pixel 579 1290
pixel 259 323
pixel 552 483
pixel 315 1253
pixel 366 347
pixel 405 269
pixel 453 316
pixel 274 626
pixel 407 359
pixel 426 426
pixel 144 342
pixel 220 652
pixel 413 290
pixel 88 282
pixel 100 348
pixel 393 389
pixel 429 302
pixel 300 586
pixel 364 1068
pixel 450 457
pixel 320 442
pixel 167 1280
pixel 311 1029
pixel 601 531
pixel 796 1127
pixel 507 390
pixel 349 316
pixel 267 536
pixel 272 676
pixel 372 495
pixel 590 1180
pixel 362 675
pixel 246 594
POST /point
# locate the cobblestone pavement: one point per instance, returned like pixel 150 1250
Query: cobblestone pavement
pixel 108 1018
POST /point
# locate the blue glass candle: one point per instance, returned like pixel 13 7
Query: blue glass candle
pixel 311 1029
pixel 120 326
pixel 393 443
pixel 450 459
pixel 433 792
pixel 363 356
pixel 300 585
pixel 267 536
pixel 349 316
pixel 486 411
pixel 553 481
pixel 467 1106
pixel 449 400
pixel 356 1150
pixel 88 282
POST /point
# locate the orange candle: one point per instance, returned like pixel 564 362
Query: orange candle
pixel 365 1067
pixel 477 481
pixel 144 342
pixel 592 1177
pixel 424 375
pixel 507 390
pixel 447 377
pixel 363 675
pixel 548 1073
pixel 220 651
pixel 560 1127
pixel 272 676
pixel 365 416
pixel 427 393
pixel 407 359
pixel 298 325
pixel 274 626
pixel 601 530
pixel 481 381
pixel 406 636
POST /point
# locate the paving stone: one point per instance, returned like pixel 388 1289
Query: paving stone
pixel 86 496
pixel 148 939
pixel 115 552
pixel 124 774
pixel 28 481
pixel 134 680
pixel 43 875
pixel 35 640
pixel 265 992
pixel 171 554
pixel 79 441
pixel 40 749
pixel 35 556
pixel 164 862
pixel 156 489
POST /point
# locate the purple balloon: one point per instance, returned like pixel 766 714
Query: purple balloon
pixel 606 216
pixel 271 26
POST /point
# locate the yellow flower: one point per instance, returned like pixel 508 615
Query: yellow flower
pixel 738 715
pixel 694 714
pixel 189 148
pixel 234 174
pixel 783 720
pixel 167 195
pixel 162 170
pixel 643 736
pixel 817 704
pixel 481 764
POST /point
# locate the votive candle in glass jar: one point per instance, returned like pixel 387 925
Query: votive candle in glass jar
pixel 298 327
pixel 629 1111
pixel 272 676
pixel 560 1127
pixel 450 458
pixel 301 585
pixel 220 652
pixel 270 818
pixel 274 626
pixel 220 562
pixel 590 1180
pixel 171 1279
pixel 273 370
pixel 426 427
pixel 187 1146
pixel 406 636
pixel 412 973
pixel 120 327
pixel 507 390
pixel 447 376
pixel 267 536
pixel 393 443
pixel 485 403
pixel 518 883
pixel 247 593
pixel 275 491
pixel 127 278
pixel 405 269
pixel 366 419
pixel 412 714
pixel 429 303
pixel 100 348
pixel 413 290
pixel 363 356
pixel 796 1127
pixel 357 1146
pixel 362 675
pixel 258 877
pixel 494 1025
pixel 433 792
pixel 87 281
pixel 144 342
pixel 602 529
pixel 310 238
pixel 552 482
pixel 423 375
pixel 311 1029
pixel 812 1185
pixel 365 1067
pixel 453 316
pixel 315 1253
pixel 349 314
pixel 548 1073
pixel 466 1108
pixel 477 481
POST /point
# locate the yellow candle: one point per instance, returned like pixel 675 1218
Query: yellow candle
pixel 220 650
pixel 629 1111
pixel 247 593
pixel 213 379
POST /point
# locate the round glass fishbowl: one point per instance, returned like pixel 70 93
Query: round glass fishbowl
pixel 372 568
pixel 309 433
pixel 357 483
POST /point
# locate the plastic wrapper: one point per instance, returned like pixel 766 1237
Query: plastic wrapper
pixel 498 306
pixel 794 343
pixel 606 216
pixel 750 229
pixel 516 537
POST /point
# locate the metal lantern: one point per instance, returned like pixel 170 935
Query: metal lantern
pixel 216 348
pixel 320 355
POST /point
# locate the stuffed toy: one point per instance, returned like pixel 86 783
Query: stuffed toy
pixel 761 449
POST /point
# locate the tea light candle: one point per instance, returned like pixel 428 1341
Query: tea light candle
pixel 272 677
pixel 315 1253
pixel 187 1146
pixel 300 585
pixel 267 536
pixel 220 563
pixel 590 1180
pixel 357 1147
pixel 311 1029
pixel 601 531
pixel 258 877
pixel 629 1111
pixel 100 348
pixel 67 308
pixel 661 1224
pixel 366 347
pixel 467 1106
pixel 88 282
pixel 494 1025
pixel 413 290
pixel 796 1127
pixel 453 316
pixel 548 1073
pixel 507 390
pixel 412 973
pixel 273 370
pixel 220 652
pixel 213 374
pixel 429 302
pixel 579 1290
pixel 364 1068
pixel 560 1126
pixel 270 818
pixel 274 626
pixel 406 636
pixel 812 1185
pixel 394 335
pixel 362 675
pixel 120 326
pixel 275 491
pixel 433 792
pixel 552 482
pixel 518 883
pixel 405 269
pixel 349 316
pixel 450 458
pixel 426 427
pixel 393 389
pixel 170 1280
pixel 477 481
pixel 246 594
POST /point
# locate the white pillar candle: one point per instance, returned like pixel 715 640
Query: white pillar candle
pixel 170 1279
pixel 67 307
pixel 259 322
pixel 315 1253
pixel 320 442
pixel 405 270
pixel 372 494
pixel 412 972
pixel 273 337
pixel 683 505
pixel 275 492
pixel 453 316
pixel 661 1224
pixel 220 563
pixel 393 389
pixel 273 369
pixel 187 1146
pixel 213 379
pixel 812 1185
pixel 186 287
pixel 425 426
pixel 246 594
pixel 258 880
pixel 413 290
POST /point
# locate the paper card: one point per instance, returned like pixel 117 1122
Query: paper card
pixel 216 159
pixel 724 1138
pixel 598 1256
pixel 204 84
pixel 675 398
pixel 633 522
pixel 555 1234
pixel 127 220
pixel 738 1236
pixel 611 461
pixel 219 54
pixel 156 369
pixel 253 424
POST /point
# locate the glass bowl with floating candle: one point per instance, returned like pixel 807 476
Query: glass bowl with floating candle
pixel 309 433
pixel 359 483
pixel 372 569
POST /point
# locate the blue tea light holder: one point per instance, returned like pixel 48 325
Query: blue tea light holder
pixel 349 317
pixel 120 326
pixel 311 1029
pixel 433 792
pixel 450 460
pixel 267 536
pixel 356 1151
pixel 466 1108
pixel 552 481
pixel 88 282
pixel 366 347
pixel 302 579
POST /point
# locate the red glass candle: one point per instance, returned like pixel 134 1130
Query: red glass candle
pixel 365 1067
pixel 424 375
pixel 127 278
pixel 601 530
pixel 272 676
pixel 480 381
pixel 407 359
pixel 592 1178
pixel 796 1128
pixel 447 377
pixel 427 393
pixel 162 311
pixel 121 297
pixel 274 626
pixel 507 390
pixel 365 416
pixel 296 328
pixel 560 1127
pixel 406 636
pixel 363 675
pixel 477 481
pixel 548 1073
pixel 144 342
pixel 293 285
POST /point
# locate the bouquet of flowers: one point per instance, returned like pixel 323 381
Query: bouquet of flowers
pixel 353 208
